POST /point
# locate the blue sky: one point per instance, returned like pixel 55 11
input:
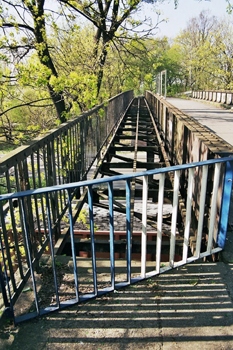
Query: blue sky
pixel 178 18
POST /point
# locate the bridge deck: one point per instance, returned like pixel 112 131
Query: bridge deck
pixel 161 215
pixel 212 116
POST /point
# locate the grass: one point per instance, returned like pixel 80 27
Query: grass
pixel 6 147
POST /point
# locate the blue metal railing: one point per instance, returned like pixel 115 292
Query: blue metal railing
pixel 14 291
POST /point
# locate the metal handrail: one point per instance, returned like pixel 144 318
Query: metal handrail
pixel 217 213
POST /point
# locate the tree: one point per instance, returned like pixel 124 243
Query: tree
pixel 25 108
pixel 223 55
pixel 196 43
pixel 24 28
pixel 26 24
pixel 207 49
pixel 229 4
pixel 27 27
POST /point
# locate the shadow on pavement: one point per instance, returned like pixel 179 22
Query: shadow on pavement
pixel 187 308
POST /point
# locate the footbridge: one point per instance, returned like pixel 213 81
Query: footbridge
pixel 126 191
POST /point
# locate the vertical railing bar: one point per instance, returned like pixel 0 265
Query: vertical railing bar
pixel 25 185
pixel 28 247
pixel 50 171
pixel 174 217
pixel 8 250
pixel 58 138
pixel 98 134
pixel 128 229
pixel 188 214
pixel 144 225
pixel 67 163
pixel 3 288
pixel 5 258
pixel 73 250
pixel 16 172
pixel 39 157
pixel 202 204
pixel 68 153
pixel 57 194
pixel 88 148
pixel 76 140
pixel 71 155
pixel 80 156
pixel 8 183
pixel 159 222
pixel 33 170
pixel 225 204
pixel 58 141
pixel 35 197
pixel 16 239
pixel 84 149
pixel 111 233
pixel 60 167
pixel 62 153
pixel 78 153
pixel 41 196
pixel 73 146
pixel 45 163
pixel 18 176
pixel 213 209
pixel 15 235
pixel 92 235
pixel 52 247
pixel 53 155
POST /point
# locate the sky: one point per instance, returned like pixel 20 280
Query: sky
pixel 187 9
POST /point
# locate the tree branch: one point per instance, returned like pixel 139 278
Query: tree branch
pixel 18 25
pixel 83 13
pixel 31 104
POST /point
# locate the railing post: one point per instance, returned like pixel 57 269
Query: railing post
pixel 213 209
pixel 174 217
pixel 92 235
pixel 160 221
pixel 225 205
pixel 51 173
pixel 3 288
pixel 111 234
pixel 144 228
pixel 201 209
pixel 26 212
pixel 188 214
pixel 128 230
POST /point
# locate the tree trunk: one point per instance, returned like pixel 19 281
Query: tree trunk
pixel 45 57
pixel 59 103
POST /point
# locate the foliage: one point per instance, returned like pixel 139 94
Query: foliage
pixel 26 28
pixel 207 53
pixel 53 67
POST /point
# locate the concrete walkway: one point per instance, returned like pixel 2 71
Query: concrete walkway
pixel 188 308
pixel 215 118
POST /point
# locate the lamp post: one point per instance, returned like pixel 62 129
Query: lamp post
pixel 159 83
pixel 164 74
